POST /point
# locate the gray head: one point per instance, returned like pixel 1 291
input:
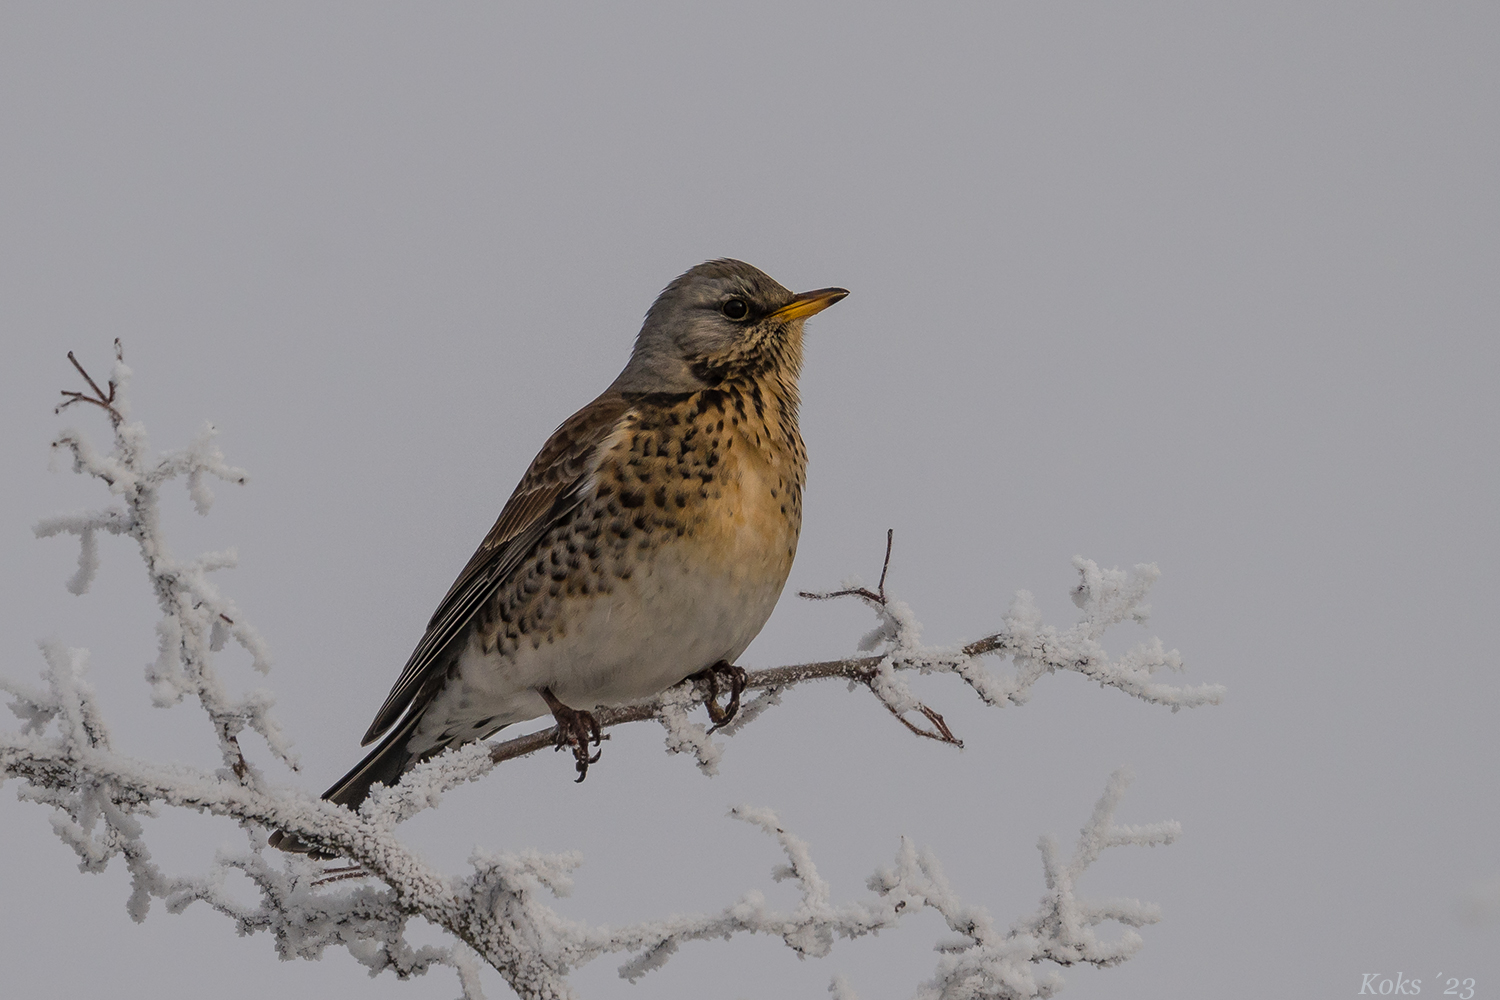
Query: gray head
pixel 720 318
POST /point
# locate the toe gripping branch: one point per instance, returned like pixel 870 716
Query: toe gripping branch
pixel 722 672
pixel 575 729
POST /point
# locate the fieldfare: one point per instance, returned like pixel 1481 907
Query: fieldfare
pixel 648 541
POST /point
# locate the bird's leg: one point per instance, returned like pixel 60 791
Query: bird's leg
pixel 574 728
pixel 735 676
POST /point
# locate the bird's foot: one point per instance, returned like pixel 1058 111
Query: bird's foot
pixel 575 729
pixel 721 673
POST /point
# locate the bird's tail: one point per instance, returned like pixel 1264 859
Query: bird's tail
pixel 383 765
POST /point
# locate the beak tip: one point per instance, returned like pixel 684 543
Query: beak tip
pixel 810 303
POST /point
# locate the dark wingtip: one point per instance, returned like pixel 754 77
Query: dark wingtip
pixel 289 842
pixel 283 841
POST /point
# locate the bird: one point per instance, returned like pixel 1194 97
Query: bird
pixel 648 541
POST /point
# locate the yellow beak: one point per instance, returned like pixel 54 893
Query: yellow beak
pixel 808 304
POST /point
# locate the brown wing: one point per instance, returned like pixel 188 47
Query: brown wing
pixel 552 486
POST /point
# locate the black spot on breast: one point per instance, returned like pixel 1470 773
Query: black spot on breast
pixel 709 399
pixel 632 498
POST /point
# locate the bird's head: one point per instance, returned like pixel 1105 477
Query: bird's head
pixel 721 319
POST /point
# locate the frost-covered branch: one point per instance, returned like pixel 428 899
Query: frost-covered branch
pixel 497 910
pixel 196 620
pixel 1104 597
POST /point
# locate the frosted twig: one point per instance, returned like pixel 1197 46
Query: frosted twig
pixel 105 401
pixel 196 618
pixel 497 912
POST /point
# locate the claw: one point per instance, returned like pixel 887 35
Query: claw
pixel 575 728
pixel 711 676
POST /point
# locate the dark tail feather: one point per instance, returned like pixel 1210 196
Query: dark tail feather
pixel 384 765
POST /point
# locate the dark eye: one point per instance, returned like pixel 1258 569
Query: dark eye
pixel 735 309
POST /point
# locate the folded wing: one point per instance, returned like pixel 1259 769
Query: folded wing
pixel 557 481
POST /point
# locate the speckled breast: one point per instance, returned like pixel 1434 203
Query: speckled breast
pixel 678 556
pixel 721 471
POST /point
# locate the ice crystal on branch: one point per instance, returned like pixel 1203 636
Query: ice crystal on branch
pixel 498 912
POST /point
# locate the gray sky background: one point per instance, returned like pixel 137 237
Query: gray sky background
pixel 1212 286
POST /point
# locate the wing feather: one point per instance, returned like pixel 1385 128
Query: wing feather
pixel 556 482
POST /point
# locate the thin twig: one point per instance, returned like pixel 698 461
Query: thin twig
pixel 341 875
pixel 939 731
pixel 890 535
pixel 875 597
pixel 99 398
pixel 89 379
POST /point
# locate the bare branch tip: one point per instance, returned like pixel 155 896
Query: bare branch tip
pixel 104 400
pixel 890 535
pixel 939 730
pixel 877 596
pixel 340 875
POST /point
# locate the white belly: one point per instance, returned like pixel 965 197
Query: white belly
pixel 650 632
